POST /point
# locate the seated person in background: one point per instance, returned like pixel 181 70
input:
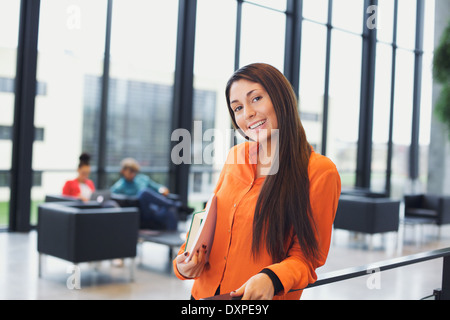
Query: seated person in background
pixel 132 182
pixel 157 211
pixel 81 187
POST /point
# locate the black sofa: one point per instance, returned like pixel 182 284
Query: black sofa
pixel 434 208
pixel 86 232
pixel 61 198
pixel 367 214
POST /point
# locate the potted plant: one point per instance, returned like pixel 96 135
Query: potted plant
pixel 441 73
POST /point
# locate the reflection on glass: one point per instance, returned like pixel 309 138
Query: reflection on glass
pixel 71 44
pixel 213 65
pixel 262 41
pixel 312 79
pixel 9 25
pixel 344 102
pixel 143 47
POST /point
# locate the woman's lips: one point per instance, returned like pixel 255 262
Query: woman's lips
pixel 257 124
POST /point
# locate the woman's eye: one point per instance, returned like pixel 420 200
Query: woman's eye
pixel 237 108
pixel 256 99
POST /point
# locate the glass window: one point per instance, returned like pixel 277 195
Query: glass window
pixel 9 24
pixel 316 10
pixel 274 4
pixel 429 22
pixel 143 48
pixel 406 24
pixel 344 103
pixel 312 79
pixel 426 106
pixel 349 15
pixel 381 115
pixel 71 46
pixel 385 23
pixel 262 41
pixel 427 91
pixel 403 100
pixel 213 65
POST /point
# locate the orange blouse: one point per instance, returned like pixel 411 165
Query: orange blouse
pixel 231 262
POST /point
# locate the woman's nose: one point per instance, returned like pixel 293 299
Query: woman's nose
pixel 249 112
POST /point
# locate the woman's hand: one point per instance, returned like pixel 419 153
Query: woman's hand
pixel 258 287
pixel 195 266
pixel 164 191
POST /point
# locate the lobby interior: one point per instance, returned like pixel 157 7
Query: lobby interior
pixel 117 78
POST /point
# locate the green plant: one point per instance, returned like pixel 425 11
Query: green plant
pixel 441 73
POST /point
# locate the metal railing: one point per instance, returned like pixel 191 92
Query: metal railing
pixel 442 293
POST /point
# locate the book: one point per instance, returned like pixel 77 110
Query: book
pixel 201 231
pixel 197 220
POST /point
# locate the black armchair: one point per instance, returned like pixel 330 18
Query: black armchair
pixel 435 208
pixel 367 215
pixel 85 232
pixel 60 198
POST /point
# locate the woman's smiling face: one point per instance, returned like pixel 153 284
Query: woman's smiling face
pixel 253 110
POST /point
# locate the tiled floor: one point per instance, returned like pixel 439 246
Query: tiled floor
pixel 19 271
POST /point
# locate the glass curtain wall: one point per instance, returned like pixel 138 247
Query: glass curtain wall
pixel 403 96
pixel 215 60
pixel 384 78
pixel 345 87
pixel 395 80
pixel 229 34
pixel 9 24
pixel 426 103
pixel 142 64
pixel 261 41
pixel 215 39
pixel 70 55
pixel 313 61
pixel 312 80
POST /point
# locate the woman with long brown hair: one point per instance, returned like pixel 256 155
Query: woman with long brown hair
pixel 276 198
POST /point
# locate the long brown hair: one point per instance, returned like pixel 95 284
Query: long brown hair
pixel 283 206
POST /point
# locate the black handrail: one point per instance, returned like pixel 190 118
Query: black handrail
pixel 353 272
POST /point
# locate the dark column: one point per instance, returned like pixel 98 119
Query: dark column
pixel 183 91
pixel 23 128
pixel 103 128
pixel 293 43
pixel 364 155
